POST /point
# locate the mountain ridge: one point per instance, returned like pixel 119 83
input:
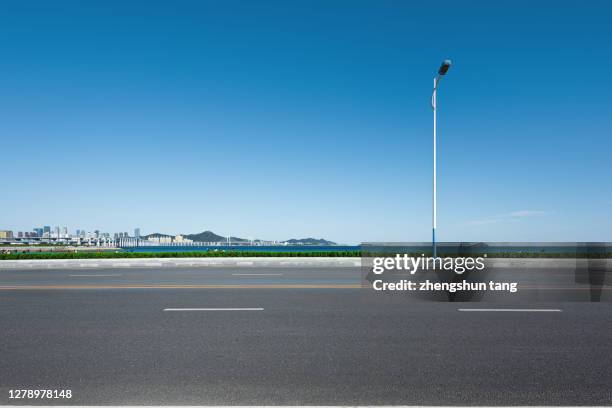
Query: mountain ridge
pixel 209 236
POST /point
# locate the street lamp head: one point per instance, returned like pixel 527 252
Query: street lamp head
pixel 444 67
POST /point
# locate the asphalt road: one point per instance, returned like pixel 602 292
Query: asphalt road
pixel 308 336
pixel 137 277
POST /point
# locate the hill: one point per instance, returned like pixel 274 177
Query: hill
pixel 209 236
pixel 310 241
pixel 206 236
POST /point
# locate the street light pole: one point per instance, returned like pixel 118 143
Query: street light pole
pixel 434 221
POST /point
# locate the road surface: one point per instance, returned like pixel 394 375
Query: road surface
pixel 287 335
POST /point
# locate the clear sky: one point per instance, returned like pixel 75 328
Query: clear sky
pixel 291 119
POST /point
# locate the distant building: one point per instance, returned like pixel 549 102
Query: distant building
pixel 6 234
pixel 160 240
pixel 137 233
pixel 182 239
pixel 47 229
pixel 56 232
pixel 64 232
pixel 38 232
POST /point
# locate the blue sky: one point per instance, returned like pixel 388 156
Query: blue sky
pixel 292 119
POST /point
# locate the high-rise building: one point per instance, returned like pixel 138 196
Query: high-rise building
pixel 47 229
pixel 56 232
pixel 137 233
pixel 65 232
pixel 38 232
pixel 6 234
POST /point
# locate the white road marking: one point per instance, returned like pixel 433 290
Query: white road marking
pixel 509 310
pixel 214 309
pixel 257 274
pixel 117 274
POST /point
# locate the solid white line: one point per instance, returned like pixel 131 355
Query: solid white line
pixel 215 309
pixel 118 274
pixel 509 310
pixel 257 274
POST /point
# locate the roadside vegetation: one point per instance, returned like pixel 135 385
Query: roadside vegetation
pixel 276 254
pixel 194 254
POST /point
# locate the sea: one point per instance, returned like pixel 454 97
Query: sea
pixel 249 248
pixel 542 248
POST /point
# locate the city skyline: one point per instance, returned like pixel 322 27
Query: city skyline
pixel 57 231
pixel 277 119
pixel 63 232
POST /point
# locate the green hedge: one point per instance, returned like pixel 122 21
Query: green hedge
pixel 194 254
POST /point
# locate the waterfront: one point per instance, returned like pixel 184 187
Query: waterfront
pixel 249 248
